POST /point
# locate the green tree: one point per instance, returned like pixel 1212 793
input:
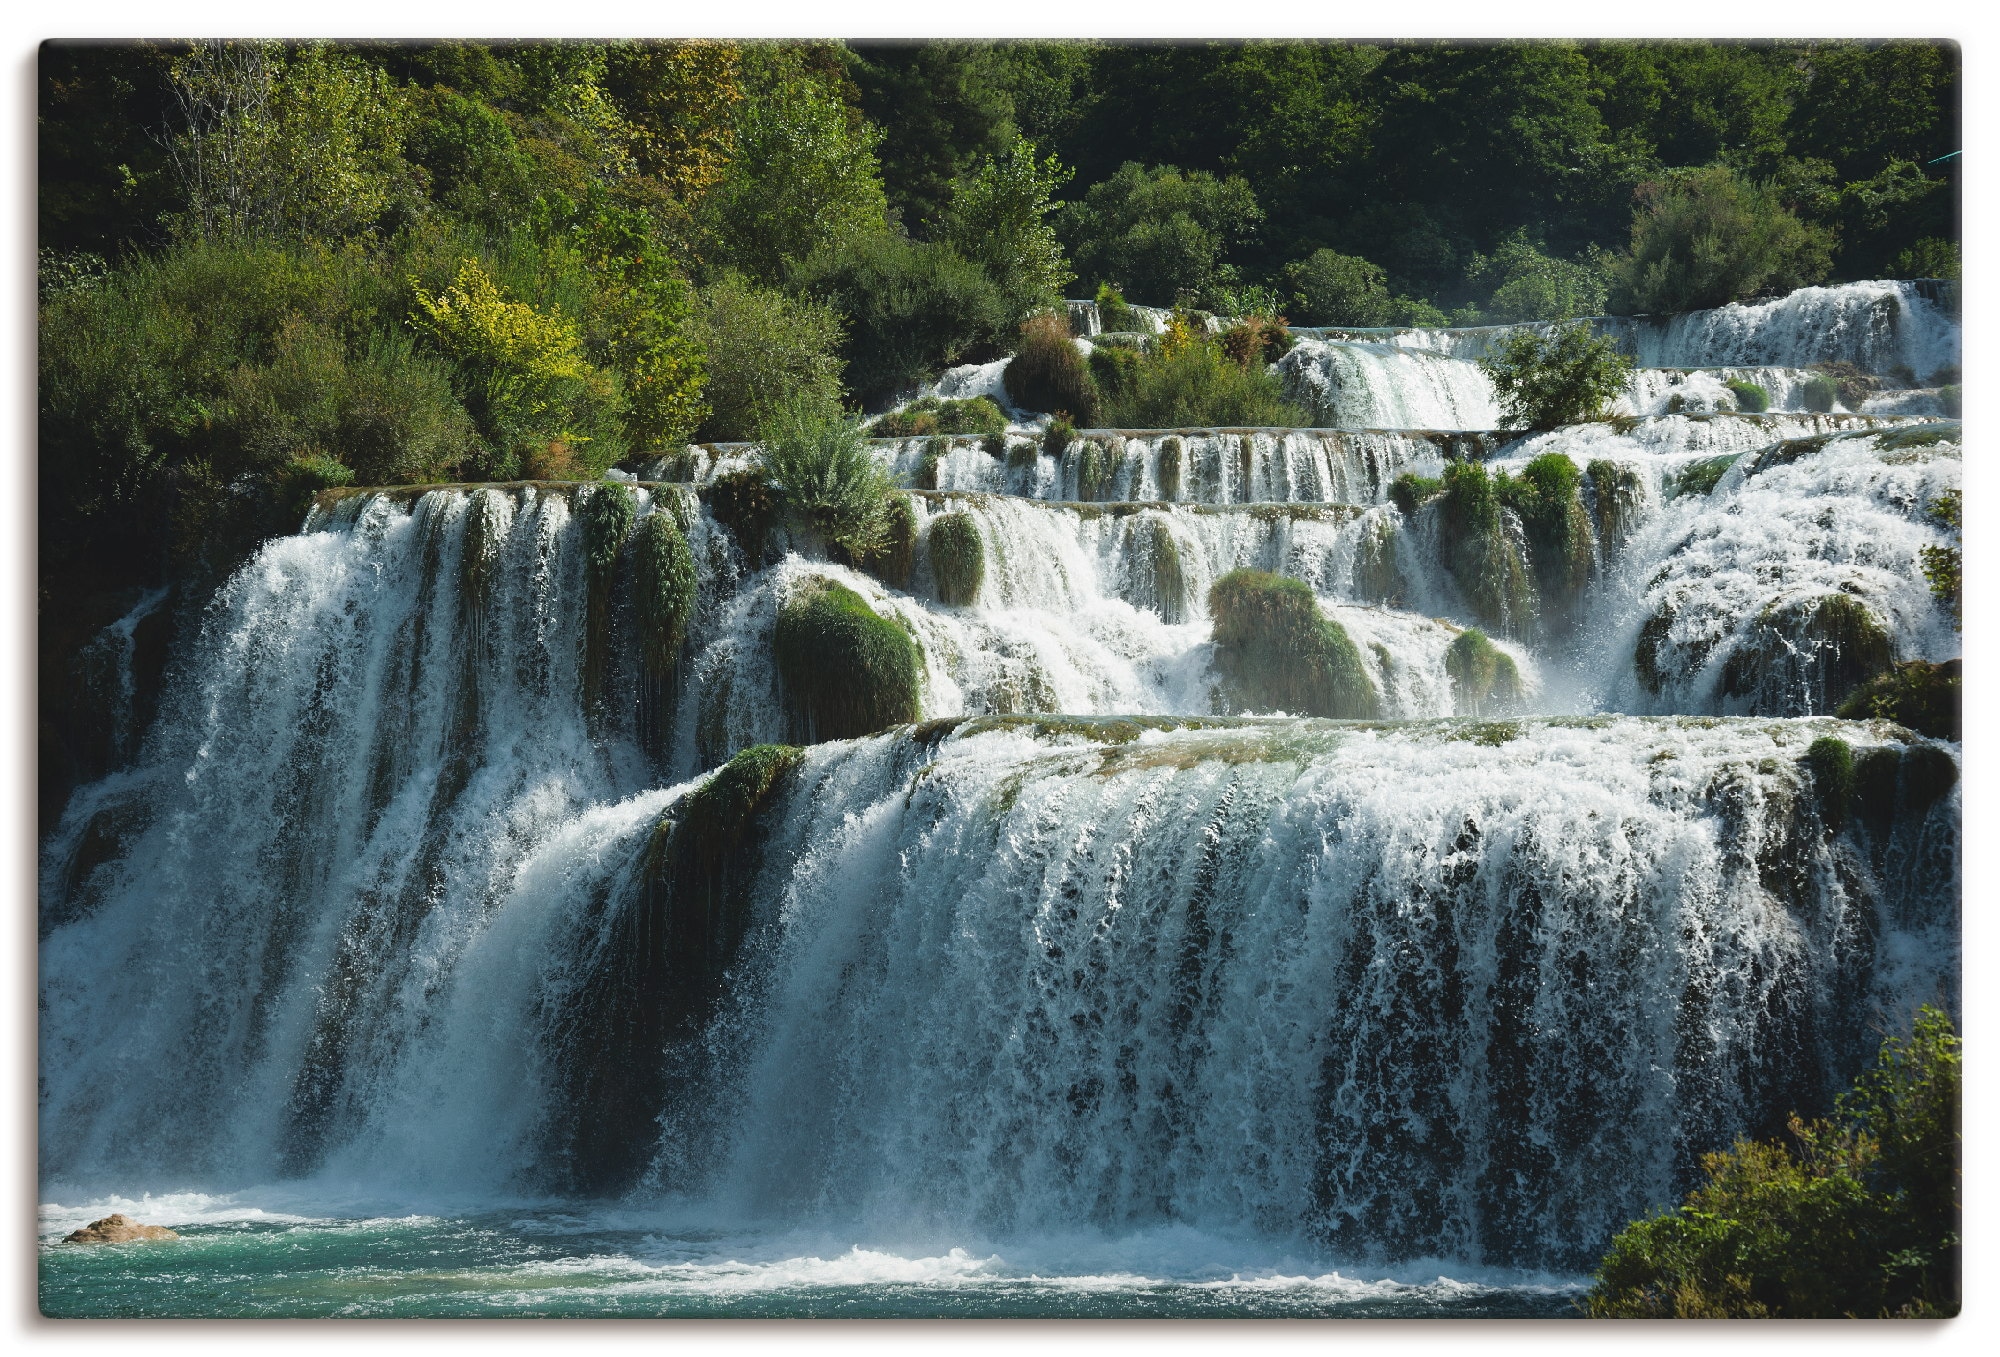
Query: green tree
pixel 1328 288
pixel 999 219
pixel 1707 237
pixel 763 347
pixel 1525 284
pixel 1160 234
pixel 1565 376
pixel 942 107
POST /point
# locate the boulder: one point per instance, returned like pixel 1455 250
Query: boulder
pixel 117 1229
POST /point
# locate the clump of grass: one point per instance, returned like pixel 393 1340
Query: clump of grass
pixel 976 415
pixel 1481 674
pixel 1410 490
pixel 1751 398
pixel 846 670
pixel 1820 394
pixel 1048 373
pixel 1378 578
pixel 1113 312
pixel 1093 470
pixel 1163 557
pixel 1190 382
pixel 1059 435
pixel 1115 369
pixel 823 478
pixel 1277 652
pixel 958 558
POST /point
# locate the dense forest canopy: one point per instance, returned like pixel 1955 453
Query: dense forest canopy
pixel 268 268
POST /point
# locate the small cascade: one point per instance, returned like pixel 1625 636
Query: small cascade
pixel 1386 386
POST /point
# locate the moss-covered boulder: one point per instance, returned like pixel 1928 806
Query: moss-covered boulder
pixel 1617 496
pixel 1162 557
pixel 1928 698
pixel 1831 760
pixel 1548 499
pixel 1378 576
pixel 628 1030
pixel 1751 399
pixel 1480 554
pixel 663 594
pixel 1093 469
pixel 1172 459
pixel 892 561
pixel 1276 651
pixel 1484 678
pixel 1804 657
pixel 1700 478
pixel 607 514
pixel 846 670
pixel 958 558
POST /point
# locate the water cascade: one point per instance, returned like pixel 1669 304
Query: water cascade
pixel 467 860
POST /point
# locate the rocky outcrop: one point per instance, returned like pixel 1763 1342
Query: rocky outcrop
pixel 117 1229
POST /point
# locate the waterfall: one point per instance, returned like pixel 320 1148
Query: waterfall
pixel 1418 991
pixel 1384 386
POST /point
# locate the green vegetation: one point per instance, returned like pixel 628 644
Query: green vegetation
pixel 1832 762
pixel 1564 377
pixel 1709 236
pixel 1944 566
pixel 1113 313
pixel 607 514
pixel 1409 490
pixel 1169 581
pixel 893 561
pixel 1522 283
pixel 1928 698
pixel 930 415
pixel 764 347
pixel 1482 675
pixel 846 670
pixel 1276 651
pixel 1329 288
pixel 958 558
pixel 1751 398
pixel 1479 554
pixel 1049 374
pixel 1161 233
pixel 1547 497
pixel 1701 478
pixel 1617 494
pixel 1378 578
pixel 1058 436
pixel 1821 393
pixel 1173 453
pixel 663 590
pixel 1860 1219
pixel 823 478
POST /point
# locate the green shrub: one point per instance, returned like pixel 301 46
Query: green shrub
pixel 1929 257
pixel 1256 340
pixel 1276 651
pixel 823 477
pixel 1047 372
pixel 663 590
pixel 912 308
pixel 1115 371
pixel 1862 1219
pixel 1928 698
pixel 1112 311
pixel 998 218
pixel 1328 288
pixel 1195 385
pixel 1821 391
pixel 763 346
pixel 745 504
pixel 1944 566
pixel 1832 762
pixel 1564 377
pixel 1160 232
pixel 305 477
pixel 1751 398
pixel 1479 554
pixel 1481 674
pixel 1410 490
pixel 1022 455
pixel 1708 236
pixel 893 560
pixel 958 558
pixel 1524 284
pixel 1701 478
pixel 847 671
pixel 976 415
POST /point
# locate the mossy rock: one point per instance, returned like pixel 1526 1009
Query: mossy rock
pixel 607 515
pixel 1409 492
pixel 1831 760
pixel 1821 393
pixel 1928 698
pixel 1378 576
pixel 663 590
pixel 1751 398
pixel 1276 651
pixel 1920 436
pixel 1057 437
pixel 847 671
pixel 1093 469
pixel 1700 478
pixel 1804 658
pixel 1480 554
pixel 1547 497
pixel 743 503
pixel 1617 496
pixel 893 561
pixel 958 558
pixel 1172 456
pixel 1163 559
pixel 1484 678
pixel 1023 456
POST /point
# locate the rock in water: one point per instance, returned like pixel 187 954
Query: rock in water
pixel 117 1229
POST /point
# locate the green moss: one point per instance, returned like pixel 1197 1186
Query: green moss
pixel 1480 555
pixel 1919 436
pixel 1831 760
pixel 1482 674
pixel 958 558
pixel 1378 578
pixel 1093 470
pixel 1410 491
pixel 1163 557
pixel 891 563
pixel 1616 495
pixel 1821 392
pixel 994 444
pixel 1699 478
pixel 1172 454
pixel 1547 497
pixel 1276 651
pixel 1023 456
pixel 935 451
pixel 1925 697
pixel 846 670
pixel 1115 369
pixel 1751 398
pixel 1810 653
pixel 1058 436
pixel 607 520
pixel 663 590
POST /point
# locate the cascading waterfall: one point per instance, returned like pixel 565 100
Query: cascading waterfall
pixel 425 883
